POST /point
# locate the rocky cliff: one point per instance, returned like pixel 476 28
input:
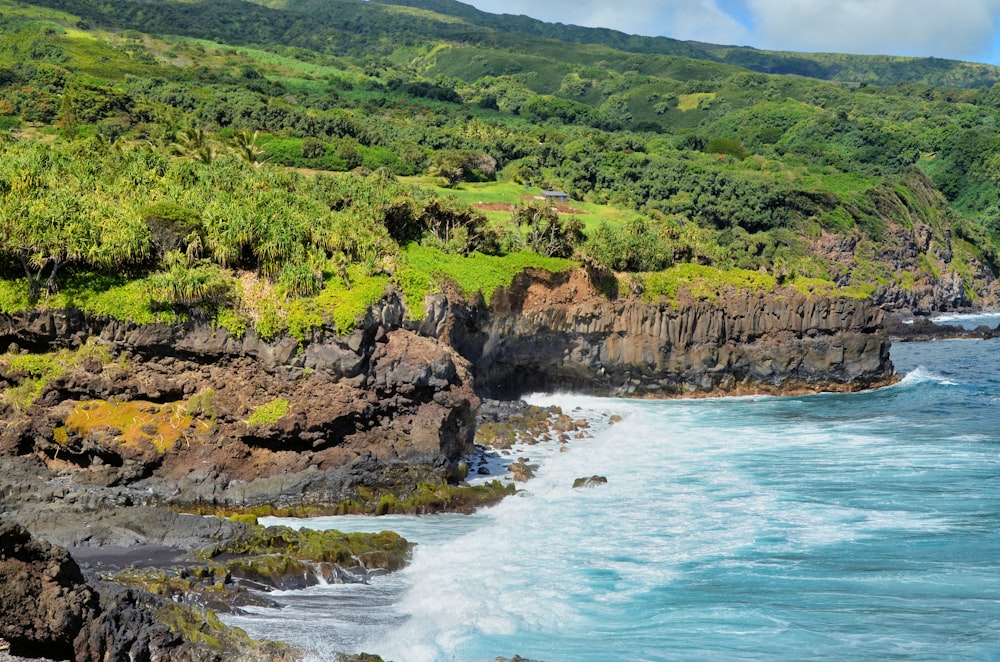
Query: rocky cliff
pixel 102 416
pixel 555 332
pixel 917 254
pixel 191 415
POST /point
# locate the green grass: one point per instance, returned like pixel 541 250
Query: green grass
pixel 704 282
pixel 847 185
pixel 270 413
pixel 336 305
pixel 285 65
pixel 424 269
pixel 38 370
pixel 822 287
pixel 709 283
pixel 473 193
pixel 14 296
pixel 92 56
pixel 510 193
pixel 97 294
pixel 689 102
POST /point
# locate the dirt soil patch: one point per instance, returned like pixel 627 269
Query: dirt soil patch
pixel 561 207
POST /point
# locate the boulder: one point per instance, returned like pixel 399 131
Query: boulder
pixel 593 481
pixel 44 598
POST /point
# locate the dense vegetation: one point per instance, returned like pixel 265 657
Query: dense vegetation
pixel 280 162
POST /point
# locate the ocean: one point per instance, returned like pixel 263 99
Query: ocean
pixel 827 527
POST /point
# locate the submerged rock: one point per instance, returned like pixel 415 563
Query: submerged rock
pixel 522 471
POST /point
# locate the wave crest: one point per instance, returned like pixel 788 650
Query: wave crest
pixel 921 375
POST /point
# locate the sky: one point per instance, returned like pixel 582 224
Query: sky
pixel 955 29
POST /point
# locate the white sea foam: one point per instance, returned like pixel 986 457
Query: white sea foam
pixel 847 526
pixel 541 559
pixel 957 317
pixel 922 375
pixel 969 320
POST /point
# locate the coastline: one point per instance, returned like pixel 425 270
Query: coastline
pixel 376 422
pixel 916 329
pixel 554 487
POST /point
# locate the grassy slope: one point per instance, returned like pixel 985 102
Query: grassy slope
pixel 873 69
pixel 486 194
pixel 108 55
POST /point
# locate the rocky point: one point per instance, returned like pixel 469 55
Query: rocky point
pixel 116 426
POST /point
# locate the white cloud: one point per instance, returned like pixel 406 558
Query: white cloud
pixel 701 20
pixel 960 29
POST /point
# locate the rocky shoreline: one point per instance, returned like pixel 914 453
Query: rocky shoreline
pixel 905 329
pixel 113 429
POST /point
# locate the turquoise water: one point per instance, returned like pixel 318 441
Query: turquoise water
pixel 862 526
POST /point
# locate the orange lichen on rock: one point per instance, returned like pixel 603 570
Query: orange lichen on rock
pixel 135 423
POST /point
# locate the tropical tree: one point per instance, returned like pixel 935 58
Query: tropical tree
pixel 48 230
pixel 193 143
pixel 545 232
pixel 244 145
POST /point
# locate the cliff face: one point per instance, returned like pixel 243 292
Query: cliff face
pixel 178 421
pixel 917 255
pixel 555 333
pixel 178 418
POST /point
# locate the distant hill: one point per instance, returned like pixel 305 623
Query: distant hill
pixel 876 173
pixel 874 69
pixel 359 27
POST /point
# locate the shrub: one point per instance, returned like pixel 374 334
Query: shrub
pixel 728 146
pixel 639 246
pixel 189 286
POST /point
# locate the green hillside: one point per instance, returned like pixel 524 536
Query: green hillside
pixel 268 163
pixel 839 67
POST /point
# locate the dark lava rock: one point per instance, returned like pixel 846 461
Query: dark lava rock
pixel 49 610
pixel 923 328
pixel 593 481
pixel 44 599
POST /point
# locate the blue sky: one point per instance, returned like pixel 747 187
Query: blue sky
pixel 956 29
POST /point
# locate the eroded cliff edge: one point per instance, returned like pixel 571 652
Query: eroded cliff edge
pixel 188 414
pixel 557 332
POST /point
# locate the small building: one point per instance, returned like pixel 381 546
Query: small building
pixel 555 196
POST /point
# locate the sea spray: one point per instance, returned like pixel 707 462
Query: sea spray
pixel 831 526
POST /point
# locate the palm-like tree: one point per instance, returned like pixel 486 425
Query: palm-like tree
pixel 193 143
pixel 244 144
pixel 340 263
